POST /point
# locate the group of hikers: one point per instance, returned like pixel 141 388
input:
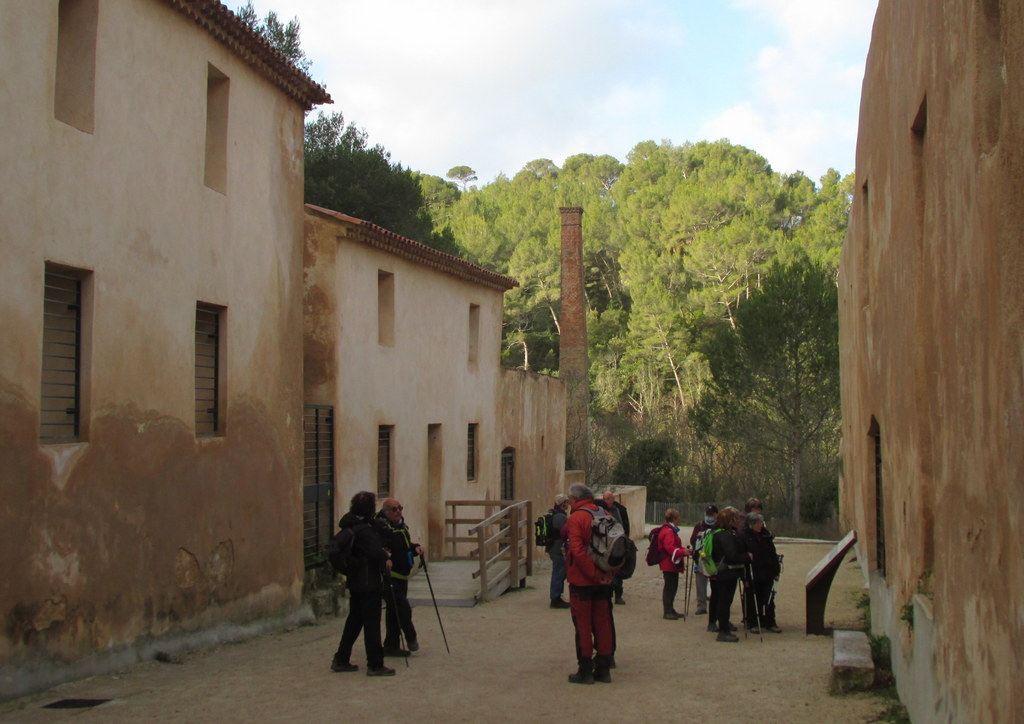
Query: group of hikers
pixel 590 548
pixel 726 547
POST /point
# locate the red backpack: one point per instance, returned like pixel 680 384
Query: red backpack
pixel 655 554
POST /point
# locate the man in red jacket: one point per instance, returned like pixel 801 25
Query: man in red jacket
pixel 590 591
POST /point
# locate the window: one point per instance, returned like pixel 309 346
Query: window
pixel 474 332
pixel 317 482
pixel 508 476
pixel 385 308
pixel 876 434
pixel 208 377
pixel 471 452
pixel 74 90
pixel 60 402
pixel 385 433
pixel 216 168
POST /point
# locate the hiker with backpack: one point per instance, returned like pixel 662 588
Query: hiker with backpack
pixel 621 514
pixel 590 530
pixel 365 562
pixel 729 559
pixel 672 562
pixel 701 580
pixel 556 519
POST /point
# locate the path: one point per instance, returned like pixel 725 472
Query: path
pixel 509 662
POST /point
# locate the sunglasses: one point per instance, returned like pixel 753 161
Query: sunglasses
pixel 395 507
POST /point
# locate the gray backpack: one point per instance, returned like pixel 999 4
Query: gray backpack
pixel 609 546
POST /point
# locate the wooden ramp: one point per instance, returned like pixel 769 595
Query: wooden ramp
pixel 453 584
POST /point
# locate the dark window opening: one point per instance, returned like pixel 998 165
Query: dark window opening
pixel 60 400
pixel 384 435
pixel 208 370
pixel 471 452
pixel 317 482
pixel 508 477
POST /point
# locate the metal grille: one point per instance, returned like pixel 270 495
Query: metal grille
pixel 60 411
pixel 317 482
pixel 879 501
pixel 508 476
pixel 207 369
pixel 471 453
pixel 384 460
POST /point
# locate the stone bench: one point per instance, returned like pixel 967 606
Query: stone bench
pixel 852 666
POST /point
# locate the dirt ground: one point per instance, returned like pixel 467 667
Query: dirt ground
pixel 509 660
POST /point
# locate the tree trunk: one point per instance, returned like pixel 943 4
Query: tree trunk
pixel 797 473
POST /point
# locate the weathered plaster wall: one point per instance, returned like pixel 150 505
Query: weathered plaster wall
pixel 931 334
pixel 533 422
pixel 141 529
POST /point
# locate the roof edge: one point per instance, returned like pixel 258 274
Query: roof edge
pixel 219 21
pixel 380 238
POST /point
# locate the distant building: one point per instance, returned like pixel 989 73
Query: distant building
pixel 402 354
pixel 932 338
pixel 151 313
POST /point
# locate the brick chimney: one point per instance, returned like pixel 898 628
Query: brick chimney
pixel 573 364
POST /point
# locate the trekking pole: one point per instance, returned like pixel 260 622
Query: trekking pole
pixel 423 562
pixel 393 610
pixel 757 609
pixel 687 579
pixel 743 602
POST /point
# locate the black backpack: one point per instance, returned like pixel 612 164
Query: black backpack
pixel 339 550
pixel 544 529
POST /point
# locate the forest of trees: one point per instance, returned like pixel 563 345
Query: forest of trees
pixel 711 291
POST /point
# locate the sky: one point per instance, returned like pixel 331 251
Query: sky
pixel 495 84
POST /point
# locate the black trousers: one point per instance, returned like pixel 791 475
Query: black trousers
pixel 723 591
pixel 764 611
pixel 668 593
pixel 399 614
pixel 363 615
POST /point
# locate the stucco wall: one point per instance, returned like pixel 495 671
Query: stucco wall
pixel 140 529
pixel 932 350
pixel 422 384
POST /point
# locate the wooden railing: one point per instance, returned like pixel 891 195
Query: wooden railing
pixel 501 539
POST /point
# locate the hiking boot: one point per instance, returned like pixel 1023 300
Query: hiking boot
pixel 602 669
pixel 343 666
pixel 379 671
pixel 755 630
pixel 585 674
pixel 395 651
pixel 700 612
pixel 775 629
pixel 619 600
pixel 724 636
pixel 671 616
pixel 712 627
pixel 414 645
pixel 558 603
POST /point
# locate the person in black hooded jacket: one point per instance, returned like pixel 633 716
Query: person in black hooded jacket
pixel 730 557
pixel 370 562
pixel 758 607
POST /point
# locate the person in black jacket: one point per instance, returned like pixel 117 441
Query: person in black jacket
pixel 403 552
pixel 370 561
pixel 730 558
pixel 759 610
pixel 621 514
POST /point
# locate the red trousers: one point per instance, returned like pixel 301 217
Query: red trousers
pixel 591 609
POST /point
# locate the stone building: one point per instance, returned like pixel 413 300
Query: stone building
pixel 402 351
pixel 932 338
pixel 151 308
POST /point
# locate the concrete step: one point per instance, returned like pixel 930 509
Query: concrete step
pixel 452 581
pixel 852 666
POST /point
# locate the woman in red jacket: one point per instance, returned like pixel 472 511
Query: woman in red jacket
pixel 673 562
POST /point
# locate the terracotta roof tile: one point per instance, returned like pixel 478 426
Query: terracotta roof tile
pixel 380 238
pixel 216 19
